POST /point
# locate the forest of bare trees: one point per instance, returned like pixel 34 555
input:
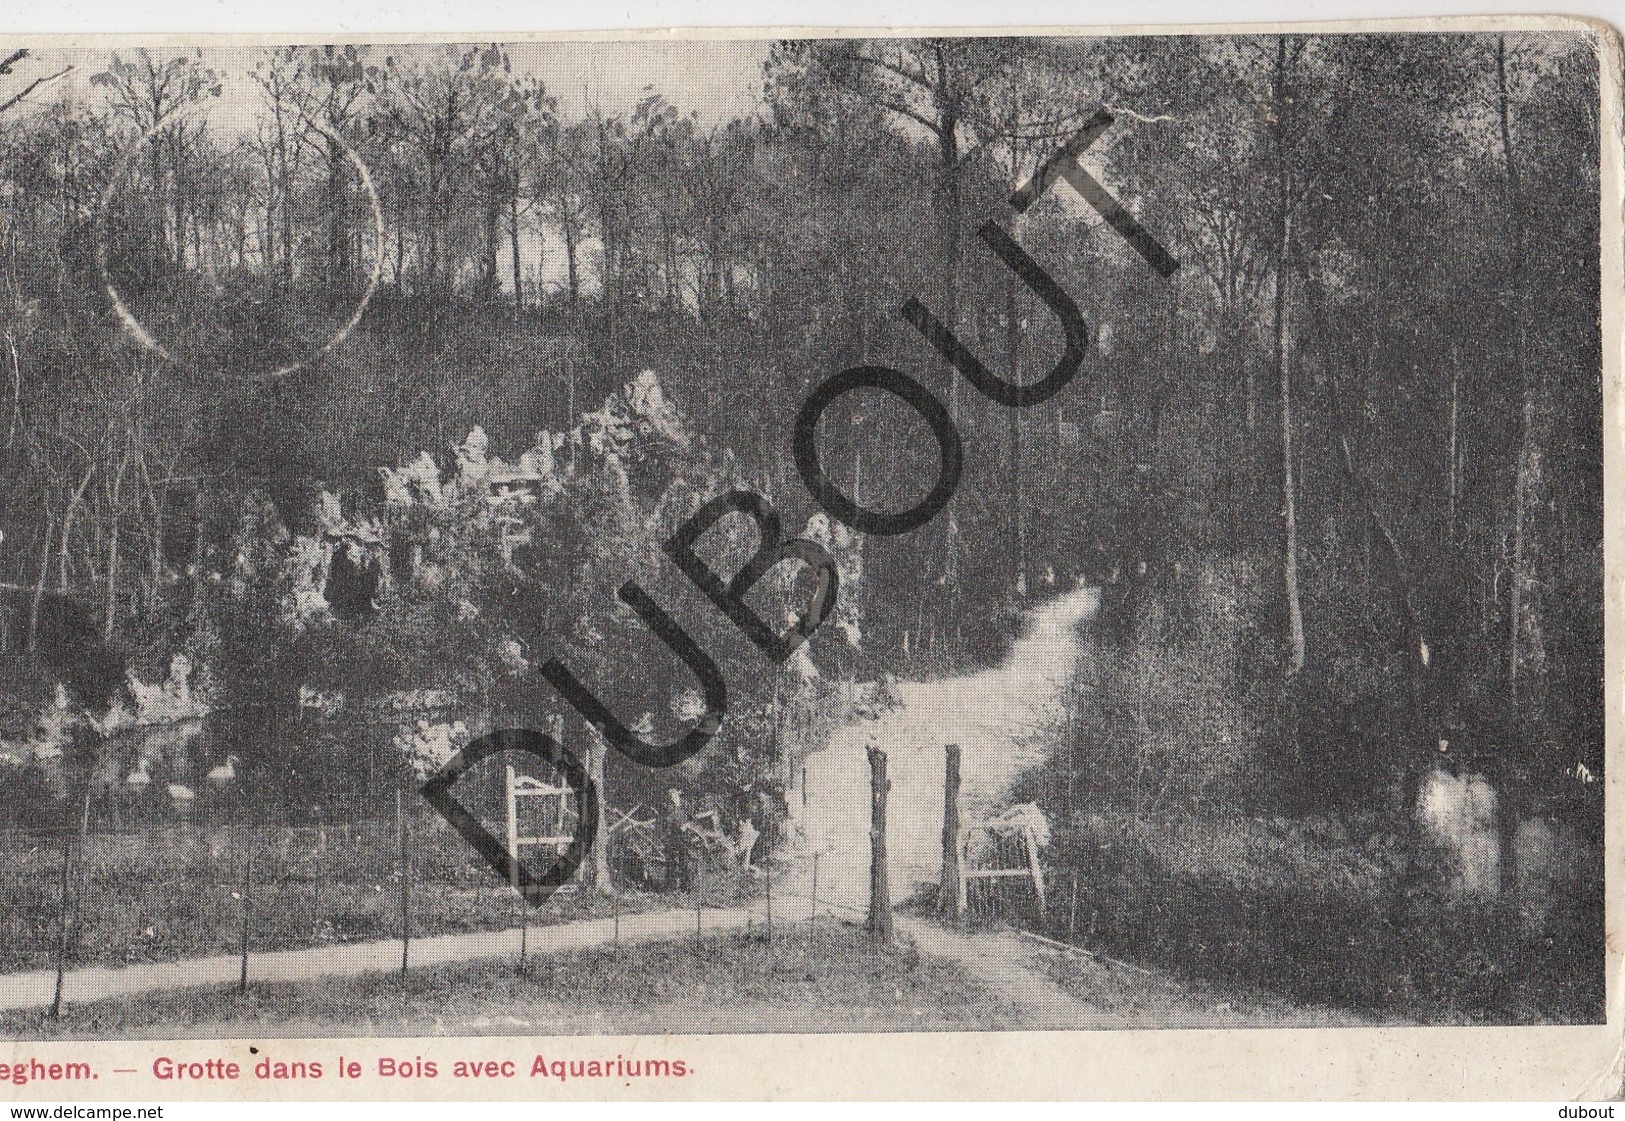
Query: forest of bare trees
pixel 1339 475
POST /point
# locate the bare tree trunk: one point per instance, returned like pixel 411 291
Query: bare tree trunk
pixel 110 609
pixel 1283 368
pixel 338 243
pixel 574 276
pixel 400 238
pixel 714 288
pixel 159 227
pixel 1526 419
pixel 155 504
pixel 609 242
pixel 268 233
pixel 488 259
pixel 68 517
pixel 1455 424
pixel 513 246
pixel 431 231
pixel 670 264
pixel 16 418
pixel 1018 498
pixel 949 204
pixel 287 224
pixel 1252 392
pixel 44 576
pixel 197 559
pixel 948 216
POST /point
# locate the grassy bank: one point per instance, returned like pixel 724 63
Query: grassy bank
pixel 834 979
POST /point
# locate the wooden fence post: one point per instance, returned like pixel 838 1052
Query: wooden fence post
pixel 603 880
pixel 524 932
pixel 1031 844
pixel 963 848
pixel 950 897
pixel 405 862
pixel 69 912
pixel 812 909
pixel 62 927
pixel 880 916
pixel 248 881
pixel 513 831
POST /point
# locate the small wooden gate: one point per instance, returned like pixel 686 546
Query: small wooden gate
pixel 1010 852
pixel 555 820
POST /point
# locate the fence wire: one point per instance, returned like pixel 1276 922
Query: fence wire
pixel 212 886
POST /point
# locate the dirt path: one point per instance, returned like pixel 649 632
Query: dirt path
pixel 1054 990
pixel 36 988
pixel 1001 718
pixel 1009 966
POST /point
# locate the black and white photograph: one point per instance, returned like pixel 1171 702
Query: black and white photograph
pixel 645 536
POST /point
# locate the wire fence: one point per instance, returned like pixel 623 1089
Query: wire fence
pixel 212 886
pixel 224 882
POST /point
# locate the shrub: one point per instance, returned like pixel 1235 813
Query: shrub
pixel 1169 717
pixel 1269 903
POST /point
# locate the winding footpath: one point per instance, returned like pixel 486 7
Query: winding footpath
pixel 1004 720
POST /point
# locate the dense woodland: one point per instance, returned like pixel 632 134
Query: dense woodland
pixel 1339 475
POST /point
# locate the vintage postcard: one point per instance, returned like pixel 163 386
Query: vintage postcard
pixel 778 564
